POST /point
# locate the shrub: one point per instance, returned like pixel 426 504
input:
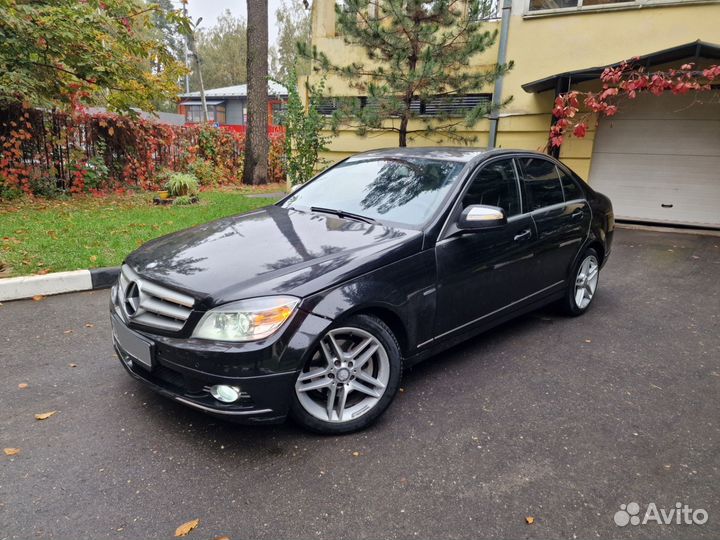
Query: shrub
pixel 206 173
pixel 101 152
pixel 97 172
pixel 45 186
pixel 182 184
pixel 183 200
pixel 9 193
pixel 303 139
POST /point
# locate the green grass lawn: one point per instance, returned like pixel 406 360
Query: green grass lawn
pixel 40 236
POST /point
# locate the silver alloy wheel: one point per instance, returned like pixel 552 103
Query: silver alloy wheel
pixel 586 281
pixel 346 377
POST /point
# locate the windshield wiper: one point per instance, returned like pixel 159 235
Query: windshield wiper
pixel 342 214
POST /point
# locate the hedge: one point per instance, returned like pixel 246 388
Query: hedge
pixel 45 152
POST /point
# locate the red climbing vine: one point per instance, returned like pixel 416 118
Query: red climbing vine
pixel 573 111
pixel 51 152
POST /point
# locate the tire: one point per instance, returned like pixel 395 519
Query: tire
pixel 573 304
pixel 368 351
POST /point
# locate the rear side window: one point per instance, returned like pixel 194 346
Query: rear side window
pixel 495 185
pixel 570 186
pixel 542 183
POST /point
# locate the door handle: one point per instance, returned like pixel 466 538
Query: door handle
pixel 577 214
pixel 523 235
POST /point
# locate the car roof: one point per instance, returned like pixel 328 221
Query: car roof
pixel 445 153
pixel 461 154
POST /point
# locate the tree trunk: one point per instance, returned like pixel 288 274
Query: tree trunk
pixel 256 141
pixel 403 131
pixel 407 99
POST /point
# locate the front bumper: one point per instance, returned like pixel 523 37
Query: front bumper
pixel 184 369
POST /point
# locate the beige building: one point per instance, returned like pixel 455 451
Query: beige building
pixel 658 159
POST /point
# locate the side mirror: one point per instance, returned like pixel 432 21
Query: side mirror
pixel 479 216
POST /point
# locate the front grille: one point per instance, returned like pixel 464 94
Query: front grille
pixel 150 304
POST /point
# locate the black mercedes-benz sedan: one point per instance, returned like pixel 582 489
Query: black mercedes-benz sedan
pixel 313 307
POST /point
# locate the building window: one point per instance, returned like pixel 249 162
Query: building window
pixel 490 9
pixel 453 106
pixel 541 5
pixel 279 110
pixel 456 106
pixel 327 106
pixel 193 113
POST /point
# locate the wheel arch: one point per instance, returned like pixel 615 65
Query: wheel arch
pixel 598 246
pixel 391 319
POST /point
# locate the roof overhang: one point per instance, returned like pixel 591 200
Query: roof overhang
pixel 562 81
pixel 199 103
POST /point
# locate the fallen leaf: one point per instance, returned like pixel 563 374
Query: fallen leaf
pixel 22 385
pixel 72 364
pixel 44 416
pixel 223 537
pixel 11 451
pixel 402 389
pixel 89 325
pixel 588 341
pixel 529 520
pixel 356 454
pixel 43 272
pixel 38 297
pixel 68 332
pixel 93 258
pixel 185 528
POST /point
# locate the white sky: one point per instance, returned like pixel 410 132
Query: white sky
pixel 210 9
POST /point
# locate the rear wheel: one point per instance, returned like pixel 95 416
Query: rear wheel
pixel 351 378
pixel 583 286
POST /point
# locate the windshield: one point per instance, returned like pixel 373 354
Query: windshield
pixel 403 191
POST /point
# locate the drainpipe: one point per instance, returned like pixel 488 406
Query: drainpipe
pixel 501 58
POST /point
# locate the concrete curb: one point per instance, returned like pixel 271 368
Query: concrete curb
pixel 57 283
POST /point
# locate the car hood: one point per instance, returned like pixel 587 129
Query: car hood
pixel 269 251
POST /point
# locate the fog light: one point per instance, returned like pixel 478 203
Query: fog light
pixel 224 393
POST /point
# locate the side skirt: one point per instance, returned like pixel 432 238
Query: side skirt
pixel 450 341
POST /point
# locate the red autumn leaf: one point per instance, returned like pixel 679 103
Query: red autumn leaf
pixel 580 130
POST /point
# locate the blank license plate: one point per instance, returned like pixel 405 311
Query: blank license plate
pixel 134 345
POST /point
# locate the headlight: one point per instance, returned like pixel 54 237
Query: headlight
pixel 247 320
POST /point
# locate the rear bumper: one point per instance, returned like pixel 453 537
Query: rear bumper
pixel 185 369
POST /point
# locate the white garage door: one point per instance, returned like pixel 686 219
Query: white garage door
pixel 658 159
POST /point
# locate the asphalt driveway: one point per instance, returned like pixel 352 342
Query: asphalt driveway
pixel 558 419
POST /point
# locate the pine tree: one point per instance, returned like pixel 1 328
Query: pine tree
pixel 418 52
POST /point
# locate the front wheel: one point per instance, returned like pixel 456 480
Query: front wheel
pixel 351 378
pixel 584 283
